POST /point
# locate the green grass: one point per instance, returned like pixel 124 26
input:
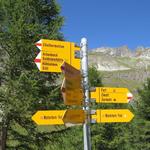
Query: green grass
pixel 112 79
pixel 46 128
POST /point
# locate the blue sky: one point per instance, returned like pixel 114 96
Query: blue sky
pixel 111 23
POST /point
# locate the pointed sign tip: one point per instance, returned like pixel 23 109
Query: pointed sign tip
pixel 131 116
pixel 34 118
pixel 39 44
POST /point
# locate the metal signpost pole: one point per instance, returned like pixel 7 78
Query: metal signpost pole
pixel 84 65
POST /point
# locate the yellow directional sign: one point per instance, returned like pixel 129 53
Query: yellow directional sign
pixel 71 96
pixel 49 117
pixel 45 44
pixel 53 53
pixel 111 95
pixel 112 115
pixel 74 116
pixel 72 76
pixel 71 87
pixel 70 71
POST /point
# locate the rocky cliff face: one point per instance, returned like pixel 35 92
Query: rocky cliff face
pixel 121 51
pixel 124 51
pixel 143 53
pixel 122 58
pixel 120 67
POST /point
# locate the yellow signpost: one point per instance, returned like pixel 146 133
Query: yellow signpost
pixel 49 117
pixel 69 70
pixel 112 115
pixel 111 95
pixel 74 116
pixel 71 96
pixel 71 87
pixel 61 56
pixel 46 44
pixel 53 53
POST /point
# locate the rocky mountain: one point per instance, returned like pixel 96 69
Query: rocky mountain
pixel 121 51
pixel 121 66
pixel 122 58
pixel 124 51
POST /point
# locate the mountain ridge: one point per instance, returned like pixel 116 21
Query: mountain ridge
pixel 120 67
pixel 124 51
pixel 122 58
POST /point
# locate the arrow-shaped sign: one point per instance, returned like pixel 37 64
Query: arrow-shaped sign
pixel 112 115
pixel 53 53
pixel 50 45
pixel 58 117
pixel 71 96
pixel 71 87
pixel 111 95
pixel 49 117
pixel 74 116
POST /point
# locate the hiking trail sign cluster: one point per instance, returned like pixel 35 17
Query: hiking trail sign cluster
pixel 60 57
